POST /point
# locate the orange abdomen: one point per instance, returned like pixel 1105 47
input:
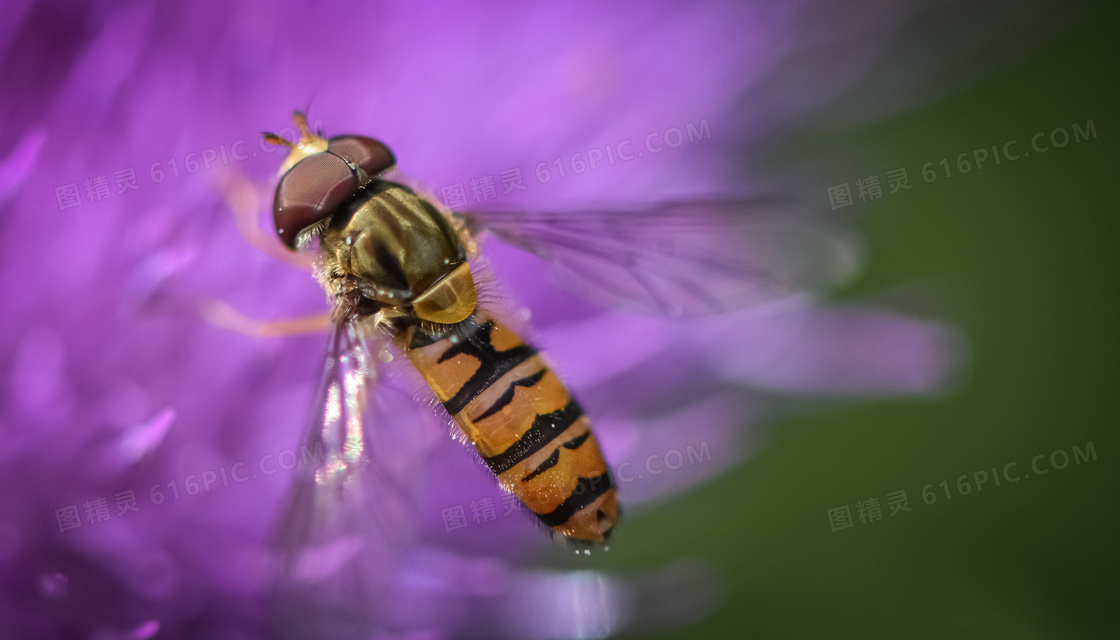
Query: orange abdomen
pixel 522 421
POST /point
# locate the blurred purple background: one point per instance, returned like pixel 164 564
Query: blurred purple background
pixel 125 125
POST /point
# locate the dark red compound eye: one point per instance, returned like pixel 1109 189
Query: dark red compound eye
pixel 316 185
pixel 369 154
pixel 308 192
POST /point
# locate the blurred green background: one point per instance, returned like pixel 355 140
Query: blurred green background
pixel 1025 256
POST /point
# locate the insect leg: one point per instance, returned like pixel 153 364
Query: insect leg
pixel 244 201
pixel 222 315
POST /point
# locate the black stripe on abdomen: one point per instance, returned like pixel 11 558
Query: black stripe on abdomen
pixel 577 442
pixel 545 428
pixel 587 491
pixel 553 459
pixel 507 397
pixel 549 462
pixel 492 364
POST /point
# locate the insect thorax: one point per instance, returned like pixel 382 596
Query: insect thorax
pixel 394 248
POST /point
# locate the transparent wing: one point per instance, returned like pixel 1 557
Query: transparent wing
pixel 342 518
pixel 682 257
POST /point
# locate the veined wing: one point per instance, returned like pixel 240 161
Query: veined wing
pixel 337 532
pixel 682 257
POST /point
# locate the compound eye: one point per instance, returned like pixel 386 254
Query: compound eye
pixel 369 154
pixel 309 192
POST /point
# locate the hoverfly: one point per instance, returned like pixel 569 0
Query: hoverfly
pixel 398 269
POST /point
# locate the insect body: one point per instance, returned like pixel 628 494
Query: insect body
pixel 389 258
pixel 398 270
pixel 523 422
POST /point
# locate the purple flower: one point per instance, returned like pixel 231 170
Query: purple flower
pixel 145 455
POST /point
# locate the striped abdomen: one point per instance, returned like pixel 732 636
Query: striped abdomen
pixel 522 421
